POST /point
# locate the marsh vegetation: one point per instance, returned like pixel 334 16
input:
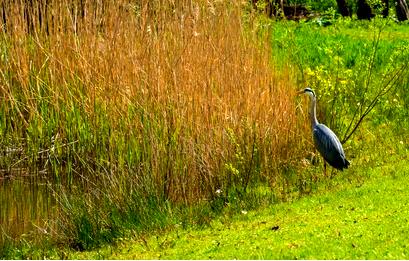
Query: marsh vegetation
pixel 127 117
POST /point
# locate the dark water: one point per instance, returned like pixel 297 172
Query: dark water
pixel 27 206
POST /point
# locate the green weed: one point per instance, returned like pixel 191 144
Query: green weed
pixel 355 72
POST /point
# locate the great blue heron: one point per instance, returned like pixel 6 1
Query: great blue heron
pixel 325 140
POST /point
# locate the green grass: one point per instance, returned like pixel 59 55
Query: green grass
pixel 366 218
pixel 347 64
pixel 308 43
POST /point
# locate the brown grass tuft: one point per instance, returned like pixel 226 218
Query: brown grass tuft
pixel 211 110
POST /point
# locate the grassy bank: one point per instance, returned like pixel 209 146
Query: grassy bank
pixel 360 214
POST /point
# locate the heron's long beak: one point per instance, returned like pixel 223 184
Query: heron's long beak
pixel 300 92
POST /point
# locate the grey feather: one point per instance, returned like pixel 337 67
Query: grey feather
pixel 329 146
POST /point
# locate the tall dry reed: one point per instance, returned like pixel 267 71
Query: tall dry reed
pixel 165 98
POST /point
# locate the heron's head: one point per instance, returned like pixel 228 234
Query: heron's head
pixel 308 91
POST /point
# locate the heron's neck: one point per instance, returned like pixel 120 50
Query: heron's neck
pixel 313 111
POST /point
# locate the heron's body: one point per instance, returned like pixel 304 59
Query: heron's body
pixel 325 140
pixel 329 146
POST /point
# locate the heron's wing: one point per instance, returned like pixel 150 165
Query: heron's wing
pixel 329 146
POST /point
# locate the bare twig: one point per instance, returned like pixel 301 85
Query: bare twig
pixel 386 89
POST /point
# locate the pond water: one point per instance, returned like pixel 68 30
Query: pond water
pixel 27 205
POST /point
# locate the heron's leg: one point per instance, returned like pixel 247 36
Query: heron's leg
pixel 325 168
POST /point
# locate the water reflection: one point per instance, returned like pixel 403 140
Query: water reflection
pixel 27 205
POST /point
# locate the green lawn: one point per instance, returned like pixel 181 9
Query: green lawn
pixel 360 219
